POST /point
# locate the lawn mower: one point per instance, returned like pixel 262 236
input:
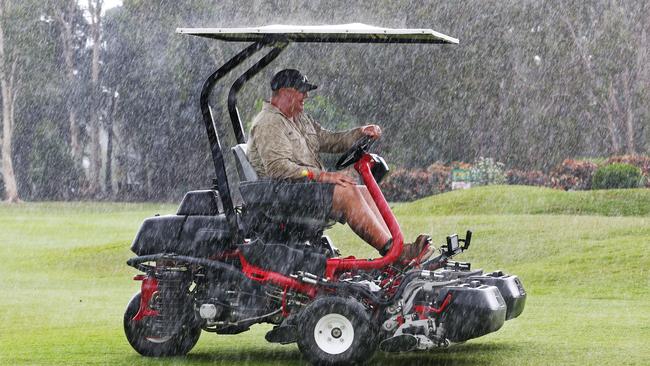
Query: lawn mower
pixel 219 267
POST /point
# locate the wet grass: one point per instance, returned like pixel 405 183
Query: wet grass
pixel 583 257
pixel 533 200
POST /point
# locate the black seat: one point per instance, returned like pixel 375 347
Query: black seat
pixel 193 235
pixel 270 206
pixel 202 202
pixel 244 167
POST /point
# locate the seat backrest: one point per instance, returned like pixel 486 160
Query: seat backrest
pixel 244 167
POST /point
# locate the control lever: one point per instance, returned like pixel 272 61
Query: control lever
pixel 467 240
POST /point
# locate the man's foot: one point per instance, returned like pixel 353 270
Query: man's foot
pixel 418 251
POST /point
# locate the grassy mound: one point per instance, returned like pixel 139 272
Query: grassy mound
pixel 532 200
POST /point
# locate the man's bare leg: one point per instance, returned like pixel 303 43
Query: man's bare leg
pixel 412 250
pixel 371 203
pixel 350 172
pixel 350 202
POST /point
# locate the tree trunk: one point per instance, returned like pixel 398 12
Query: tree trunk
pixel 95 9
pixel 8 175
pixel 66 18
pixel 121 143
pixel 629 113
pixel 612 117
pixel 7 84
pixel 584 58
pixel 108 180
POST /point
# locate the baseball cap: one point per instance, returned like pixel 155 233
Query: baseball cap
pixel 291 78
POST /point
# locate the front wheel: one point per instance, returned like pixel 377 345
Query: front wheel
pixel 336 331
pixel 141 336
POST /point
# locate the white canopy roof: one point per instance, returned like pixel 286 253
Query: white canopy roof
pixel 340 33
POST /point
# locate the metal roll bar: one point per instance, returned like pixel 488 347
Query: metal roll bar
pixel 221 180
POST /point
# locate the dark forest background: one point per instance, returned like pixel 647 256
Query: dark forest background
pixel 104 104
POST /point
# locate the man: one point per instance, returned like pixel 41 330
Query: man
pixel 284 144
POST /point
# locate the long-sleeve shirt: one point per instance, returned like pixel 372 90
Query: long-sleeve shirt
pixel 281 148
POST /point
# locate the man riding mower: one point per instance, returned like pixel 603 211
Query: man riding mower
pixel 285 143
pixel 221 268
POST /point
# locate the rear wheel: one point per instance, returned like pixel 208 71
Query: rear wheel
pixel 336 331
pixel 143 338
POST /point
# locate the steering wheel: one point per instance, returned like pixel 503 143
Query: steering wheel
pixel 354 153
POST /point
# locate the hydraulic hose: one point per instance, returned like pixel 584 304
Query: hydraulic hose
pixel 136 262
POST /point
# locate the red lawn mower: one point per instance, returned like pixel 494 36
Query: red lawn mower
pixel 221 268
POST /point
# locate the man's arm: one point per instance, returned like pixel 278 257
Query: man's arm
pixel 338 142
pixel 275 151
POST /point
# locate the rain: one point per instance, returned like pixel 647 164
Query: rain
pixel 529 138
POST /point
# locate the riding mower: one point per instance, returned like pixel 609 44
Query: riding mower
pixel 219 267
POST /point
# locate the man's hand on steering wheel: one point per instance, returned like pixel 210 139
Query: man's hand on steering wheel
pixel 370 134
pixel 373 131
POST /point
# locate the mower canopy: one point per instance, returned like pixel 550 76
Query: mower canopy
pixel 340 33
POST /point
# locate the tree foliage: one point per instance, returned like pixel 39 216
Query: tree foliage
pixel 531 84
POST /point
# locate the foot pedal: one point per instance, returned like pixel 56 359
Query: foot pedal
pixel 400 343
pixel 284 335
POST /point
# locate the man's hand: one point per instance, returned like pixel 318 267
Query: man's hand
pixel 373 131
pixel 336 178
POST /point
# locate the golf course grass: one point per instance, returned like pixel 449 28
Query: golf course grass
pixel 584 258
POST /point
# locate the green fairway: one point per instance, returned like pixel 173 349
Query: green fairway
pixel 583 257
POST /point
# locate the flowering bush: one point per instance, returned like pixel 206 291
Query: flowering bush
pixel 409 185
pixel 440 175
pixel 527 178
pixel 487 171
pixel 573 175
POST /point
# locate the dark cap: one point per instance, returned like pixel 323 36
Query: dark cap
pixel 290 78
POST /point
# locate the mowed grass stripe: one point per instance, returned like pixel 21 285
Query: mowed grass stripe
pixel 65 282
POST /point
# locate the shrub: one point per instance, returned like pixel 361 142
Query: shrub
pixel 573 175
pixel 617 176
pixel 487 171
pixel 527 178
pixel 641 162
pixel 440 176
pixel 409 185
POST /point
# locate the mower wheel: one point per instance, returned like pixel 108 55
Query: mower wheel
pixel 137 333
pixel 336 331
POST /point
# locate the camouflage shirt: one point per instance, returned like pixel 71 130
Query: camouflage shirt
pixel 280 148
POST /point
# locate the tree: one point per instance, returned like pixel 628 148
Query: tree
pixel 94 127
pixel 9 59
pixel 67 14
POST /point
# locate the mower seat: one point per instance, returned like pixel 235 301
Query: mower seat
pixel 270 206
pixel 244 167
pixel 274 211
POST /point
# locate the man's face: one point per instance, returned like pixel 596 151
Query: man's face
pixel 296 100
